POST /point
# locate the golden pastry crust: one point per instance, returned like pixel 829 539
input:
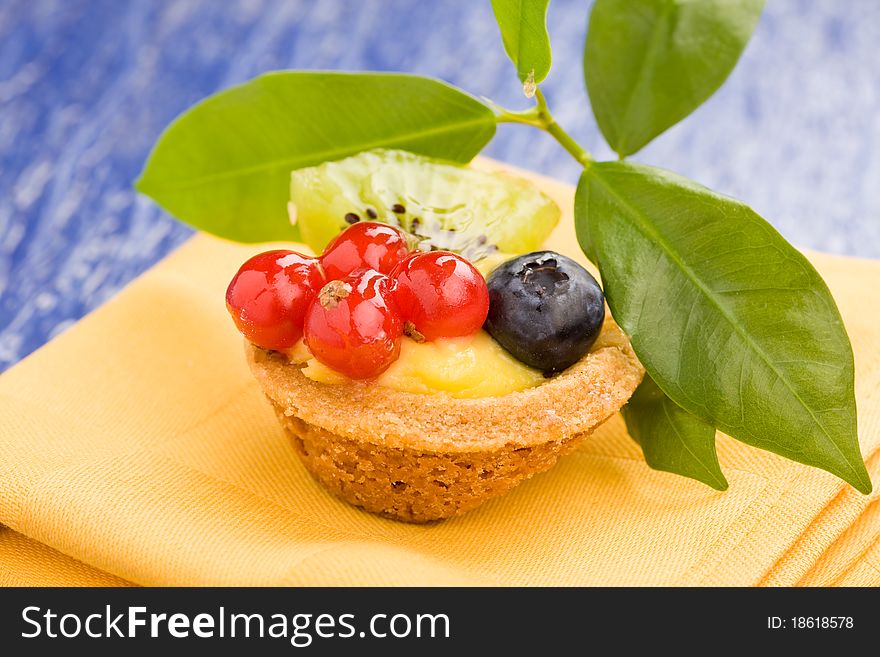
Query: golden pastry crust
pixel 420 457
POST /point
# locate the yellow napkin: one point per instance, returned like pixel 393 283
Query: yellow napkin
pixel 136 448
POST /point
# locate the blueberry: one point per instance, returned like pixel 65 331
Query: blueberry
pixel 545 309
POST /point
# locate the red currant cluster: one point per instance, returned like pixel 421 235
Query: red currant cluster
pixel 352 305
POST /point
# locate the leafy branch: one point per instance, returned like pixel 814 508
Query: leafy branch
pixel 736 329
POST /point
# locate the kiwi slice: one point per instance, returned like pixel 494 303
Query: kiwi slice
pixel 444 206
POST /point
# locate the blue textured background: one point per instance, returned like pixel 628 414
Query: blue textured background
pixel 86 86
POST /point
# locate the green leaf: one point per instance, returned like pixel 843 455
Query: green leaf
pixel 523 26
pixel 224 165
pixel 650 63
pixel 732 322
pixel 672 439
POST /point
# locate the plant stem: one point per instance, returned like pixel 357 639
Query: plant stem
pixel 569 144
pixel 540 116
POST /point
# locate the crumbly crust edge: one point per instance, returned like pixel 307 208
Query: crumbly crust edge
pixel 573 402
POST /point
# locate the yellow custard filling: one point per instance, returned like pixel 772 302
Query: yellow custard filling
pixel 470 367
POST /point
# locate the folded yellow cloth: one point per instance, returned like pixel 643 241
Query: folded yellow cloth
pixel 136 448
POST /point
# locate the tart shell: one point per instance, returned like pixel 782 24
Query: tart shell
pixel 419 458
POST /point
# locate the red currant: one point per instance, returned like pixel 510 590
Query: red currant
pixel 440 294
pixel 353 327
pixel 366 244
pixel 269 295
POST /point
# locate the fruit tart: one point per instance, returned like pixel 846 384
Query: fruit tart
pixel 418 365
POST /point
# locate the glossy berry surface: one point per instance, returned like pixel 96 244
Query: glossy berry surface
pixel 353 326
pixel 366 244
pixel 440 295
pixel 545 309
pixel 269 295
